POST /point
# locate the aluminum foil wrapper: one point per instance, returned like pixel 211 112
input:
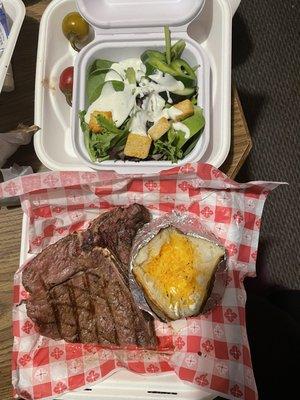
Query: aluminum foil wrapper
pixel 188 225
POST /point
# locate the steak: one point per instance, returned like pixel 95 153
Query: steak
pixel 114 230
pixel 79 286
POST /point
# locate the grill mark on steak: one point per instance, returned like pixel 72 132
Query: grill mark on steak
pixel 116 337
pixel 118 305
pixel 55 311
pixel 92 307
pixel 79 291
pixel 75 311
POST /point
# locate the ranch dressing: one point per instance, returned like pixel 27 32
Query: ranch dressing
pixel 119 103
pixel 138 123
pixel 153 106
pixel 166 82
pixel 179 126
pixel 172 113
pixel 118 70
pixel 123 103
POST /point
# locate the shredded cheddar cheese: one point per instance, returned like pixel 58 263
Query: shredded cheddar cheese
pixel 174 270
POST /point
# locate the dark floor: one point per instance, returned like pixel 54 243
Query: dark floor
pixel 266 67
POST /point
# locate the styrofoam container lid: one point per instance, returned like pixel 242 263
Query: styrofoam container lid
pixel 105 14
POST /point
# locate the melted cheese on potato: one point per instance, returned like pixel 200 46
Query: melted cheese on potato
pixel 174 270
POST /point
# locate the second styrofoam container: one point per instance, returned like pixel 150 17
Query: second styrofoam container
pixel 125 30
pixel 15 11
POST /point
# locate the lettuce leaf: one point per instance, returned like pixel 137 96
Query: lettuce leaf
pixel 174 145
pixel 105 145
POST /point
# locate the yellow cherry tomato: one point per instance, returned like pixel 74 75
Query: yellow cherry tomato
pixel 75 29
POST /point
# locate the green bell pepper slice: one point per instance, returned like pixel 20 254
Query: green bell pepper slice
pixel 162 66
pixel 177 49
pixel 183 68
pixel 179 69
pixel 152 54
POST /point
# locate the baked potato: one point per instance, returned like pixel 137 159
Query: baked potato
pixel 175 272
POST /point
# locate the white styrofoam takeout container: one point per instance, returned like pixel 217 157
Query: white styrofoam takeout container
pixel 123 384
pixel 126 29
pixel 15 12
pixel 53 144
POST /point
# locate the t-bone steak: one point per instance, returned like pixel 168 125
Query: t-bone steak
pixel 78 287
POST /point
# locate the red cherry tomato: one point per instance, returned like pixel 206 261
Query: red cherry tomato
pixel 66 83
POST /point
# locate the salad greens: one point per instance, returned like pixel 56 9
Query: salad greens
pixel 96 79
pixel 174 146
pixel 162 81
pixel 99 146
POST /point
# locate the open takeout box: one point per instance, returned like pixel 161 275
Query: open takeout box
pixel 211 29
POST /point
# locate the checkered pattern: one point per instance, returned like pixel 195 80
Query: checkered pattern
pixel 211 350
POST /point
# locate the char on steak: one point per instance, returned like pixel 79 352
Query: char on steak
pixel 79 286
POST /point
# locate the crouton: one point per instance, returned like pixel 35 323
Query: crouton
pixel 137 146
pixel 159 128
pixel 187 109
pixel 94 126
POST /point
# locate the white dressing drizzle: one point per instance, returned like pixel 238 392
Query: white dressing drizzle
pixel 123 103
pixel 179 126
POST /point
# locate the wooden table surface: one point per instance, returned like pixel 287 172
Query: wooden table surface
pixel 18 107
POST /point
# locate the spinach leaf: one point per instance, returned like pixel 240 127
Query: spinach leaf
pixel 174 146
pixel 95 85
pixel 102 65
pixel 196 122
pixel 96 79
pixel 177 138
pixel 191 143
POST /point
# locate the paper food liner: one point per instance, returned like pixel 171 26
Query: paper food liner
pixel 211 350
pixel 190 226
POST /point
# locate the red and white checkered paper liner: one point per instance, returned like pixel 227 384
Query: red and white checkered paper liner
pixel 211 351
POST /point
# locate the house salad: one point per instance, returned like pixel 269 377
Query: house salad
pixel 143 108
